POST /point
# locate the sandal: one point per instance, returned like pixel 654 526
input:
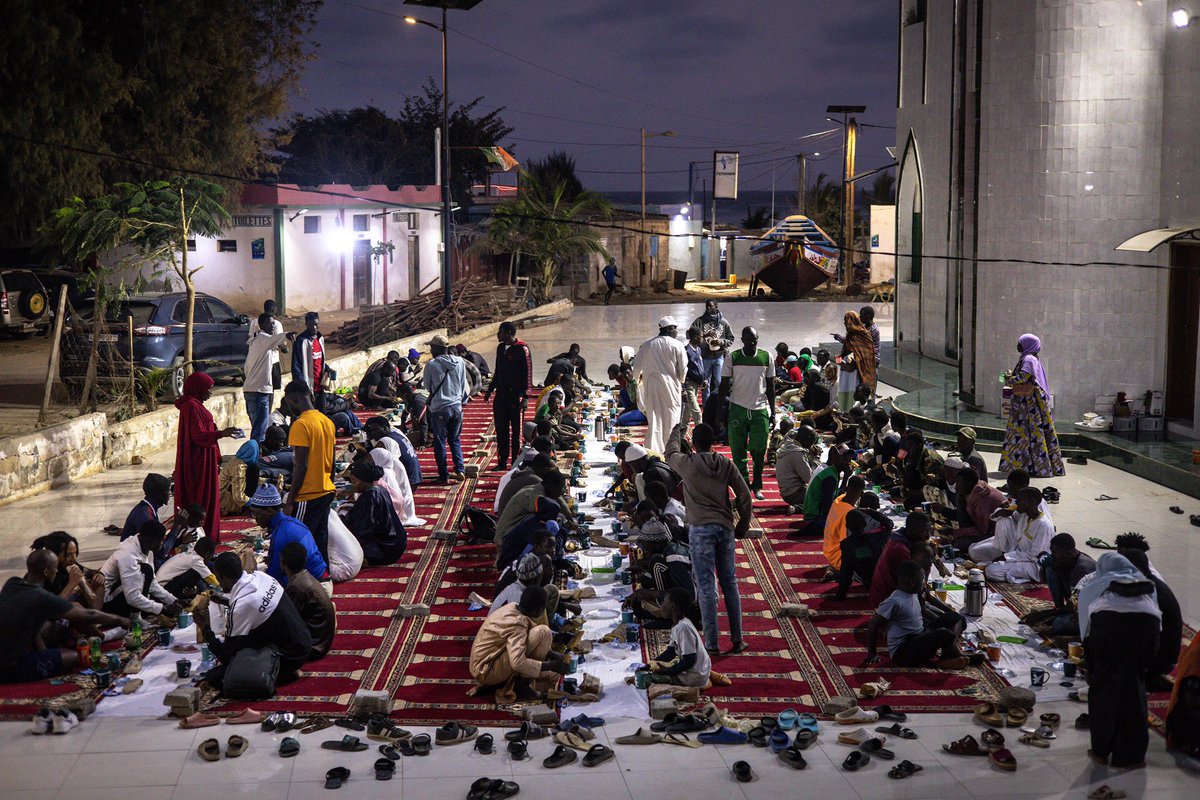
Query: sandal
pixel 385 768
pixel 855 761
pixel 992 739
pixel 419 745
pixel 1034 740
pixel 966 746
pixel 485 745
pixel 681 739
pixel 793 757
pixel 886 713
pixel 804 739
pixel 896 730
pixel 315 724
pixel 492 789
pixel 758 736
pixel 209 750
pixel 1003 759
pixel 347 744
pixel 1106 792
pixel 518 750
pixel 1017 717
pixel 336 777
pixel 988 714
pixel 904 769
pixel 199 720
pixel 289 747
pixel 643 736
pixel 236 746
pixel 788 718
pixel 389 751
pixel 1051 720
pixel 247 716
pixel 527 732
pixel 742 772
pixel 1100 544
pixel 875 747
pixel 601 753
pixel 561 757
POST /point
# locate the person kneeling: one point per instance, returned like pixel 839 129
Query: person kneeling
pixel 311 600
pixel 259 615
pixel 511 652
pixel 685 662
pixel 909 642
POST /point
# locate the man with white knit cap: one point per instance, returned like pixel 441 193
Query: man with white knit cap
pixel 661 366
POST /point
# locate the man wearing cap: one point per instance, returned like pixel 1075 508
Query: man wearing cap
pixel 748 380
pixel 446 380
pixel 661 364
pixel 529 572
pixel 511 383
pixel 664 565
pixel 267 509
pixel 967 452
pixel 308 354
pixel 718 338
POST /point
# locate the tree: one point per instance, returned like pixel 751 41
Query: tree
pixel 142 225
pixel 825 206
pixel 163 84
pixel 551 229
pixel 756 218
pixel 882 191
pixel 365 146
pixel 556 168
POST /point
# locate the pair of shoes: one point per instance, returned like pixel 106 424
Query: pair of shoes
pixel 210 749
pixel 59 721
pixel 492 789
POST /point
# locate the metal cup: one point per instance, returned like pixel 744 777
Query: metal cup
pixel 632 633
pixel 183 668
pixel 616 560
pixel 626 577
pixel 114 662
pixel 627 616
pixel 641 679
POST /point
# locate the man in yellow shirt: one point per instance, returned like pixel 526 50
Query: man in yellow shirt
pixel 312 438
pixel 835 523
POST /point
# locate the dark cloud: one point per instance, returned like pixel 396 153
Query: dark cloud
pixel 748 74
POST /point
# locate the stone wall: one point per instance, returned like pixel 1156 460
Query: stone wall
pixel 36 462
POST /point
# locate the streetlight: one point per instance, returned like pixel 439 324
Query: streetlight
pixel 447 247
pixel 849 142
pixel 642 240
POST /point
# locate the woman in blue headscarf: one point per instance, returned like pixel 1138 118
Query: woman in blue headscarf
pixel 1119 620
pixel 1030 442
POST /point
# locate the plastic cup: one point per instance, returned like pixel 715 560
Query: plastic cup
pixel 1075 649
pixel 1070 668
pixel 164 637
pixel 993 652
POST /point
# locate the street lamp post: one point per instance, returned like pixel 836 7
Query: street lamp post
pixel 447 229
pixel 849 141
pixel 642 238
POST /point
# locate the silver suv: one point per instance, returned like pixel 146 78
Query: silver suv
pixel 24 304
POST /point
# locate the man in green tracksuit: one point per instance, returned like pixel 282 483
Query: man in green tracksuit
pixel 748 380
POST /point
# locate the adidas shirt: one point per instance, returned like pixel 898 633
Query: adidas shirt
pixel 750 375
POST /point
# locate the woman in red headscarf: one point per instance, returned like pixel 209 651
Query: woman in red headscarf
pixel 197 457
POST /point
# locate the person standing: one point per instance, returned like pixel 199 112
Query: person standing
pixel 859 343
pixel 708 478
pixel 748 380
pixel 610 279
pixel 446 378
pixel 259 386
pixel 312 439
pixel 197 456
pixel 694 380
pixel 661 364
pixel 308 356
pixel 1030 442
pixel 718 338
pixel 1119 620
pixel 511 383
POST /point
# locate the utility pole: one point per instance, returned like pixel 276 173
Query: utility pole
pixel 849 139
pixel 802 184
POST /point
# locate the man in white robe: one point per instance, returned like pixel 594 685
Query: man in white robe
pixel 1012 554
pixel 661 365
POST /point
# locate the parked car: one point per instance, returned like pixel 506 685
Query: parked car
pixel 24 303
pixel 218 341
pixel 57 278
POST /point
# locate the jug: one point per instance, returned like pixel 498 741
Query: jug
pixel 973 594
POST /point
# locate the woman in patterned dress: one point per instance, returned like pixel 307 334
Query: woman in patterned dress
pixel 1030 442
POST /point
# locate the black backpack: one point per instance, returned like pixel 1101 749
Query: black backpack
pixel 478 525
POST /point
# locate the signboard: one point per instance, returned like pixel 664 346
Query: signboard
pixel 258 249
pixel 253 221
pixel 725 174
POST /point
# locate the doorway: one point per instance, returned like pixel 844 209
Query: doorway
pixel 363 288
pixel 1183 328
pixel 414 266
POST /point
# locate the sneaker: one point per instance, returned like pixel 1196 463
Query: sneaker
pixel 43 721
pixel 64 721
pixel 758 495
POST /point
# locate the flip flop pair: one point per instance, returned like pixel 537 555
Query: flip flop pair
pixel 210 749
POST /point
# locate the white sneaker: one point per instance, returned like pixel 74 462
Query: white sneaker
pixel 43 721
pixel 64 721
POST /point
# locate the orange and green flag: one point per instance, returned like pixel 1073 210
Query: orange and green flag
pixel 500 158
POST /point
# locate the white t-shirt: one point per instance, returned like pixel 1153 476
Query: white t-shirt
pixel 176 565
pixel 750 374
pixel 685 639
pixel 261 355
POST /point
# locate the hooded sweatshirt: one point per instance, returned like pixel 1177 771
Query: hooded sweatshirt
pixel 714 326
pixel 707 479
pixel 794 467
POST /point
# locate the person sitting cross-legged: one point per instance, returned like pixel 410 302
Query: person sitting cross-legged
pixel 267 509
pixel 512 653
pixel 130 583
pixel 28 613
pixel 372 517
pixel 260 614
pixel 1012 553
pixel 312 602
pixel 835 523
pixel 909 642
pixel 188 573
pixel 664 565
pixel 685 662
pixel 860 552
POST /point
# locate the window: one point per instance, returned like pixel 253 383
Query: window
pixel 218 311
pixel 191 245
pixel 312 224
pixel 226 245
pixel 201 314
pixel 406 218
pixel 361 222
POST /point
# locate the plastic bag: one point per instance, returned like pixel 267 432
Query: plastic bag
pixel 345 553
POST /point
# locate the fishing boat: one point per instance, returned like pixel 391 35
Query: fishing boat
pixel 794 257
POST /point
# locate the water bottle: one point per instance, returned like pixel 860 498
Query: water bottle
pixel 135 631
pixel 973 594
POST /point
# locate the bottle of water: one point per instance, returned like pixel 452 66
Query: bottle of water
pixel 135 631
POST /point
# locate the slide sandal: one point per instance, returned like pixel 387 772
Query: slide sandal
pixel 561 757
pixel 599 754
pixel 347 744
pixel 289 747
pixel 236 746
pixel 209 750
pixel 336 777
pixel 1100 544
pixel 385 768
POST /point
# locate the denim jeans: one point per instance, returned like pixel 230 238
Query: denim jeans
pixel 712 549
pixel 446 426
pixel 712 373
pixel 258 408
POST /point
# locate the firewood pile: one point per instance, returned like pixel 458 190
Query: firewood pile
pixel 472 304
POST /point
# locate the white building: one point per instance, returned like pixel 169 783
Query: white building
pixel 311 249
pixel 1052 131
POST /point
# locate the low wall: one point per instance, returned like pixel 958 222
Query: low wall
pixel 54 456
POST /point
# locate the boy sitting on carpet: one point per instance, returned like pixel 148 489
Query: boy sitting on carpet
pixel 685 662
pixel 909 642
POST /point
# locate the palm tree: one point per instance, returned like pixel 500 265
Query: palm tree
pixel 882 191
pixel 825 206
pixel 756 218
pixel 558 167
pixel 546 224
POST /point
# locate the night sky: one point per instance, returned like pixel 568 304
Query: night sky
pixel 748 75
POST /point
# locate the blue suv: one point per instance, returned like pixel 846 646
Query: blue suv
pixel 218 341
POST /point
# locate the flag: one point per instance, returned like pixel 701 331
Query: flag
pixel 500 158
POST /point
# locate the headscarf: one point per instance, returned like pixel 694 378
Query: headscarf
pixel 193 387
pixel 366 470
pixel 1029 362
pixel 1114 568
pixel 858 340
